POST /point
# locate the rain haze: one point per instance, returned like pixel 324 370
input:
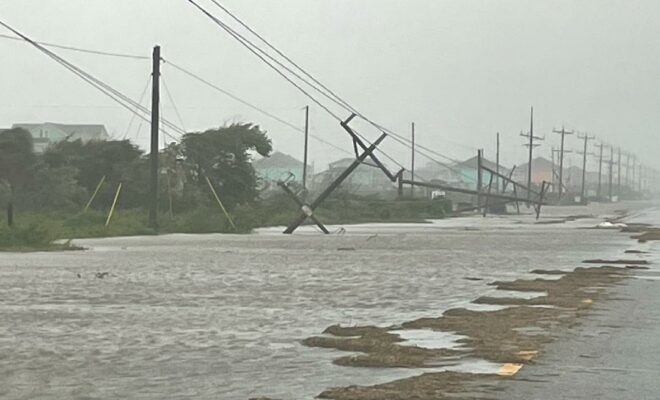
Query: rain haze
pixel 337 199
pixel 461 70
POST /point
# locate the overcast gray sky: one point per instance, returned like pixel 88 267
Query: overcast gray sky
pixel 462 70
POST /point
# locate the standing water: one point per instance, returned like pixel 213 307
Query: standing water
pixel 221 316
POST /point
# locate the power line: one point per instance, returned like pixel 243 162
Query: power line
pixel 176 109
pixel 130 124
pixel 78 49
pixel 248 104
pixel 106 89
pixel 262 55
pixel 336 98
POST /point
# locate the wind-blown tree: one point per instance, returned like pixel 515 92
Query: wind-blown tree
pixel 224 155
pixel 17 161
pixel 117 160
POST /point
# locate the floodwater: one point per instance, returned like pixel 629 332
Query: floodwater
pixel 221 316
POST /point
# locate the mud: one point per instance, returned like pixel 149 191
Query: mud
pixel 513 336
pixel 648 234
pixel 616 262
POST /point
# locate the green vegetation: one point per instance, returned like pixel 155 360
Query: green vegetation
pixel 67 192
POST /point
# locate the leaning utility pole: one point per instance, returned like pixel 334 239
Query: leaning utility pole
pixel 153 157
pixel 304 174
pixel 412 162
pixel 586 139
pixel 531 146
pixel 563 133
pixel 600 170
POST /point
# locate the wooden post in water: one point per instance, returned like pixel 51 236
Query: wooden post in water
pixel 114 205
pixel 96 191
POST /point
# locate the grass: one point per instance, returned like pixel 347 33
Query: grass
pixel 39 231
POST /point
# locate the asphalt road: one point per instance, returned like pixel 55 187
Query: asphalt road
pixel 614 353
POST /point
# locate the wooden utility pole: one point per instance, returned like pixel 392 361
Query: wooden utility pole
pixel 610 178
pixel 563 133
pixel 153 157
pixel 628 170
pixel 618 173
pixel 552 153
pixel 531 146
pixel 634 169
pixel 412 162
pixel 497 162
pixel 583 193
pixel 480 154
pixel 304 173
pixel 600 170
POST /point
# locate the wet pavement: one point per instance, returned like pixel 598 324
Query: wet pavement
pixel 613 353
pixel 222 316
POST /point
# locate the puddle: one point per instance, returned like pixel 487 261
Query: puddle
pixel 429 339
pixel 514 294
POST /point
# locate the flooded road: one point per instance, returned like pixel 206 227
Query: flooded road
pixel 221 316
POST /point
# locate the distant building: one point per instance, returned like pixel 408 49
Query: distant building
pixel 49 133
pixel 465 172
pixel 542 170
pixel 280 166
pixel 364 180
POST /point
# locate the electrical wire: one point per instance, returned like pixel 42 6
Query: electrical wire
pixel 106 89
pixel 337 100
pixel 80 50
pixel 176 109
pixel 248 104
pixel 130 124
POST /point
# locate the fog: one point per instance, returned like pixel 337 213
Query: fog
pixel 461 70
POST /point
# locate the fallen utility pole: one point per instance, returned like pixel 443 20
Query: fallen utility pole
pixel 531 146
pixel 153 156
pixel 563 132
pixel 308 210
pixel 586 139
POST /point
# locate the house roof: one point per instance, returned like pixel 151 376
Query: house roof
pixel 277 160
pixel 537 163
pixel 74 131
pixel 472 163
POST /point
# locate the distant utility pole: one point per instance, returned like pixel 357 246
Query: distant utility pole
pixel 618 173
pixel 531 146
pixel 153 157
pixel 628 170
pixel 586 139
pixel 640 177
pixel 412 162
pixel 563 133
pixel 634 169
pixel 497 162
pixel 611 164
pixel 304 174
pixel 600 170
